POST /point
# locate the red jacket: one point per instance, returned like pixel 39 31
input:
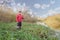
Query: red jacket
pixel 19 17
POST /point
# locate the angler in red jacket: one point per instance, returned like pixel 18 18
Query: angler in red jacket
pixel 19 19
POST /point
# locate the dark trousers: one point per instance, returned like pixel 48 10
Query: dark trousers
pixel 19 24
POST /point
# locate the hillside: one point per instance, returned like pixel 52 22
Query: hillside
pixel 53 21
pixel 29 31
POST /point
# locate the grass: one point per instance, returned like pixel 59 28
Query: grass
pixel 29 31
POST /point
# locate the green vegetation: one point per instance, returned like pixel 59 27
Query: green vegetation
pixel 29 31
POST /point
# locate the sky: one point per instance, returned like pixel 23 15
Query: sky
pixel 41 8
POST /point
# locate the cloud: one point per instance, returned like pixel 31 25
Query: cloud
pixel 49 13
pixel 37 5
pixel 13 3
pixel 55 11
pixel 19 5
pixel 1 1
pixel 44 16
pixel 44 6
pixel 24 4
pixel 48 5
pixel 22 7
pixel 57 8
pixel 52 12
pixel 52 1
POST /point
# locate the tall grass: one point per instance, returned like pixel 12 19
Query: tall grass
pixel 29 31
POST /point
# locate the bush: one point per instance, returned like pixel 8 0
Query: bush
pixel 7 15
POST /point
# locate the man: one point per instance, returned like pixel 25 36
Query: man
pixel 19 19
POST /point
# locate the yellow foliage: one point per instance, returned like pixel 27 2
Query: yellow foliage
pixel 53 21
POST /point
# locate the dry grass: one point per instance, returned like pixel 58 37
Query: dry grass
pixel 53 21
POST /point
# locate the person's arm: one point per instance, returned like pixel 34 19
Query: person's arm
pixel 22 17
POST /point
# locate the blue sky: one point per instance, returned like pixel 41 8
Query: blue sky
pixel 41 7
